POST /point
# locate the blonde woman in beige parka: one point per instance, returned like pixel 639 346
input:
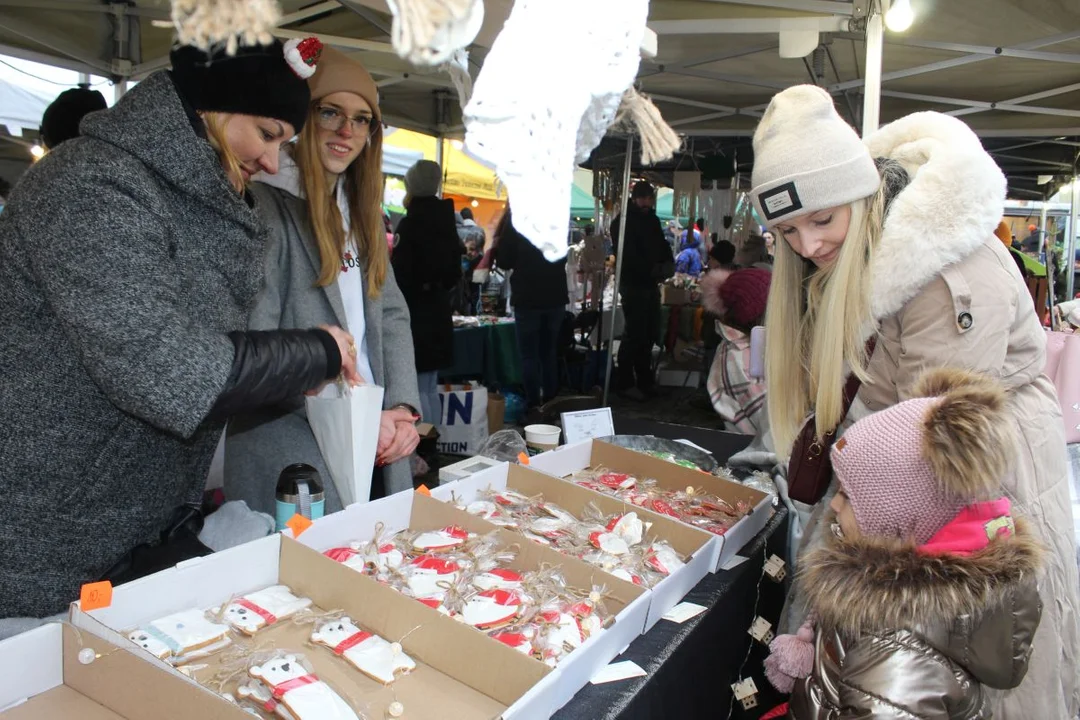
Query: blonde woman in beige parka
pixel 903 250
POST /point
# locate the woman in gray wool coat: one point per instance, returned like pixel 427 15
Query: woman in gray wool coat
pixel 126 260
pixel 327 262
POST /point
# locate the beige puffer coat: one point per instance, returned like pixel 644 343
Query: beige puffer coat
pixel 905 635
pixel 945 292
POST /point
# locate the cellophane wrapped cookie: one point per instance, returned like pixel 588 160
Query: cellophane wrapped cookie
pixel 374 656
pixel 283 684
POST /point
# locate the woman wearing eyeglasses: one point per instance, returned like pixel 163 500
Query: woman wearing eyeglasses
pixel 327 263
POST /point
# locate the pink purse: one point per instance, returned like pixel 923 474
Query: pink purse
pixel 1063 367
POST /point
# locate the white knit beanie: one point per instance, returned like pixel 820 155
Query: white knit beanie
pixel 806 158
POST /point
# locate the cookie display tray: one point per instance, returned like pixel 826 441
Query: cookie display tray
pixel 697 546
pixel 41 678
pixel 461 673
pixel 569 459
pixel 627 602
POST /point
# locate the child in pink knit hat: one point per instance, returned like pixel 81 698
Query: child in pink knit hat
pixel 924 595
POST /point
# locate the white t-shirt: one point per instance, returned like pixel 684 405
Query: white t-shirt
pixel 351 287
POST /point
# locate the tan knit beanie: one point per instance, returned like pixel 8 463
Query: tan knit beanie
pixel 337 72
pixel 806 158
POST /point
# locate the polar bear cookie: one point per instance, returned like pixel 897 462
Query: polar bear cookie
pixel 182 636
pixel 263 608
pixel 370 654
pixel 288 689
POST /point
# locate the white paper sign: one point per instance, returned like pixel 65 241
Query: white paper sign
pixel 587 424
pixel 683 612
pixel 617 671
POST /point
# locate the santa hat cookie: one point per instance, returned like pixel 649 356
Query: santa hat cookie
pixel 303 54
pixel 492 609
pixel 447 538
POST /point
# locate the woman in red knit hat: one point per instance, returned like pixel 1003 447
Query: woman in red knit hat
pixel 737 298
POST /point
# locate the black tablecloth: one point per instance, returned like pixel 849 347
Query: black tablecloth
pixel 692 666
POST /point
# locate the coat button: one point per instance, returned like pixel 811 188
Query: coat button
pixel 964 320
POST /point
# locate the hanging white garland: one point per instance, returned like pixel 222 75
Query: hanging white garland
pixel 210 23
pixel 427 32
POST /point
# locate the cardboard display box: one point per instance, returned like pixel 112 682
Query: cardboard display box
pixel 548 689
pixel 698 547
pixel 41 678
pixel 461 672
pixel 569 459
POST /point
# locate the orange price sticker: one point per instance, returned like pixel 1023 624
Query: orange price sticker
pixel 298 524
pixel 95 596
pixel 523 458
pixel 423 490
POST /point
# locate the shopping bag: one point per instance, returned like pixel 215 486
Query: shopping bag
pixel 463 420
pixel 346 427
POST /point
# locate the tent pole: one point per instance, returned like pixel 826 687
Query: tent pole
pixel 119 88
pixel 624 201
pixel 872 89
pixel 1070 241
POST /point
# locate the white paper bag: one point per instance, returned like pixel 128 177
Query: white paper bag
pixel 463 424
pixel 346 426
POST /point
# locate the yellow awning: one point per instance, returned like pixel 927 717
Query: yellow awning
pixel 462 175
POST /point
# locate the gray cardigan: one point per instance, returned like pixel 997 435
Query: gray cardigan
pixel 260 444
pixel 124 260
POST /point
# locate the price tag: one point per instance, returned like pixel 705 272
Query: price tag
pixel 523 458
pixel 683 612
pixel 587 424
pixel 617 671
pixel 298 524
pixel 423 490
pixel 95 596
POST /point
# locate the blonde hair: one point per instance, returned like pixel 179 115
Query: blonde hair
pixel 815 327
pixel 364 190
pixel 215 134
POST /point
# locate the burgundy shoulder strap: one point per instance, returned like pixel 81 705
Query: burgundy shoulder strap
pixel 851 387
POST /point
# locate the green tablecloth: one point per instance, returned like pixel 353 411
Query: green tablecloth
pixel 488 354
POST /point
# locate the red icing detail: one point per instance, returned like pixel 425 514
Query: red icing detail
pixel 613 480
pixel 551 616
pixel 664 508
pixel 340 554
pixel 265 614
pixel 440 565
pixel 499 499
pixel 502 597
pixel 456 532
pixel 290 685
pixel 431 602
pixel 386 548
pixel 594 538
pixel 351 642
pixel 512 639
pixel 654 562
pixel 581 609
pixel 614 521
pixel 505 574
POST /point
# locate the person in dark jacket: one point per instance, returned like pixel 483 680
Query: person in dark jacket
pixel 125 352
pixel 61 119
pixel 647 262
pixel 427 264
pixel 539 298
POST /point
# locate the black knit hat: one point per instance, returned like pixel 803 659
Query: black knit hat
pixel 257 81
pixel 61 119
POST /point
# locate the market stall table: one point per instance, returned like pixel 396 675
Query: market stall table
pixel 486 352
pixel 690 666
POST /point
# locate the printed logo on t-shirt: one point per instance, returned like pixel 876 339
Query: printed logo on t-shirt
pixel 348 261
pixel 780 200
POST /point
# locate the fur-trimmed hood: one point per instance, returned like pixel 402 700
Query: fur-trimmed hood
pixel 875 586
pixel 954 201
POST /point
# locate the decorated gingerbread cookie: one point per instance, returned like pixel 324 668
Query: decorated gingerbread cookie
pixel 663 558
pixel 288 689
pixel 370 654
pixel 521 641
pixel 609 542
pixel 430 575
pixel 629 527
pixel 441 540
pixel 498 578
pixel 182 636
pixel 492 608
pixel 263 608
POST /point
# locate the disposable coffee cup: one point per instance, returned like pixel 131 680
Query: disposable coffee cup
pixel 541 438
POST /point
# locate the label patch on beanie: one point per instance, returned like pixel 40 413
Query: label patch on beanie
pixel 780 200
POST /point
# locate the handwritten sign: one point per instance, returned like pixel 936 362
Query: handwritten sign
pixel 298 524
pixel 95 596
pixel 587 424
